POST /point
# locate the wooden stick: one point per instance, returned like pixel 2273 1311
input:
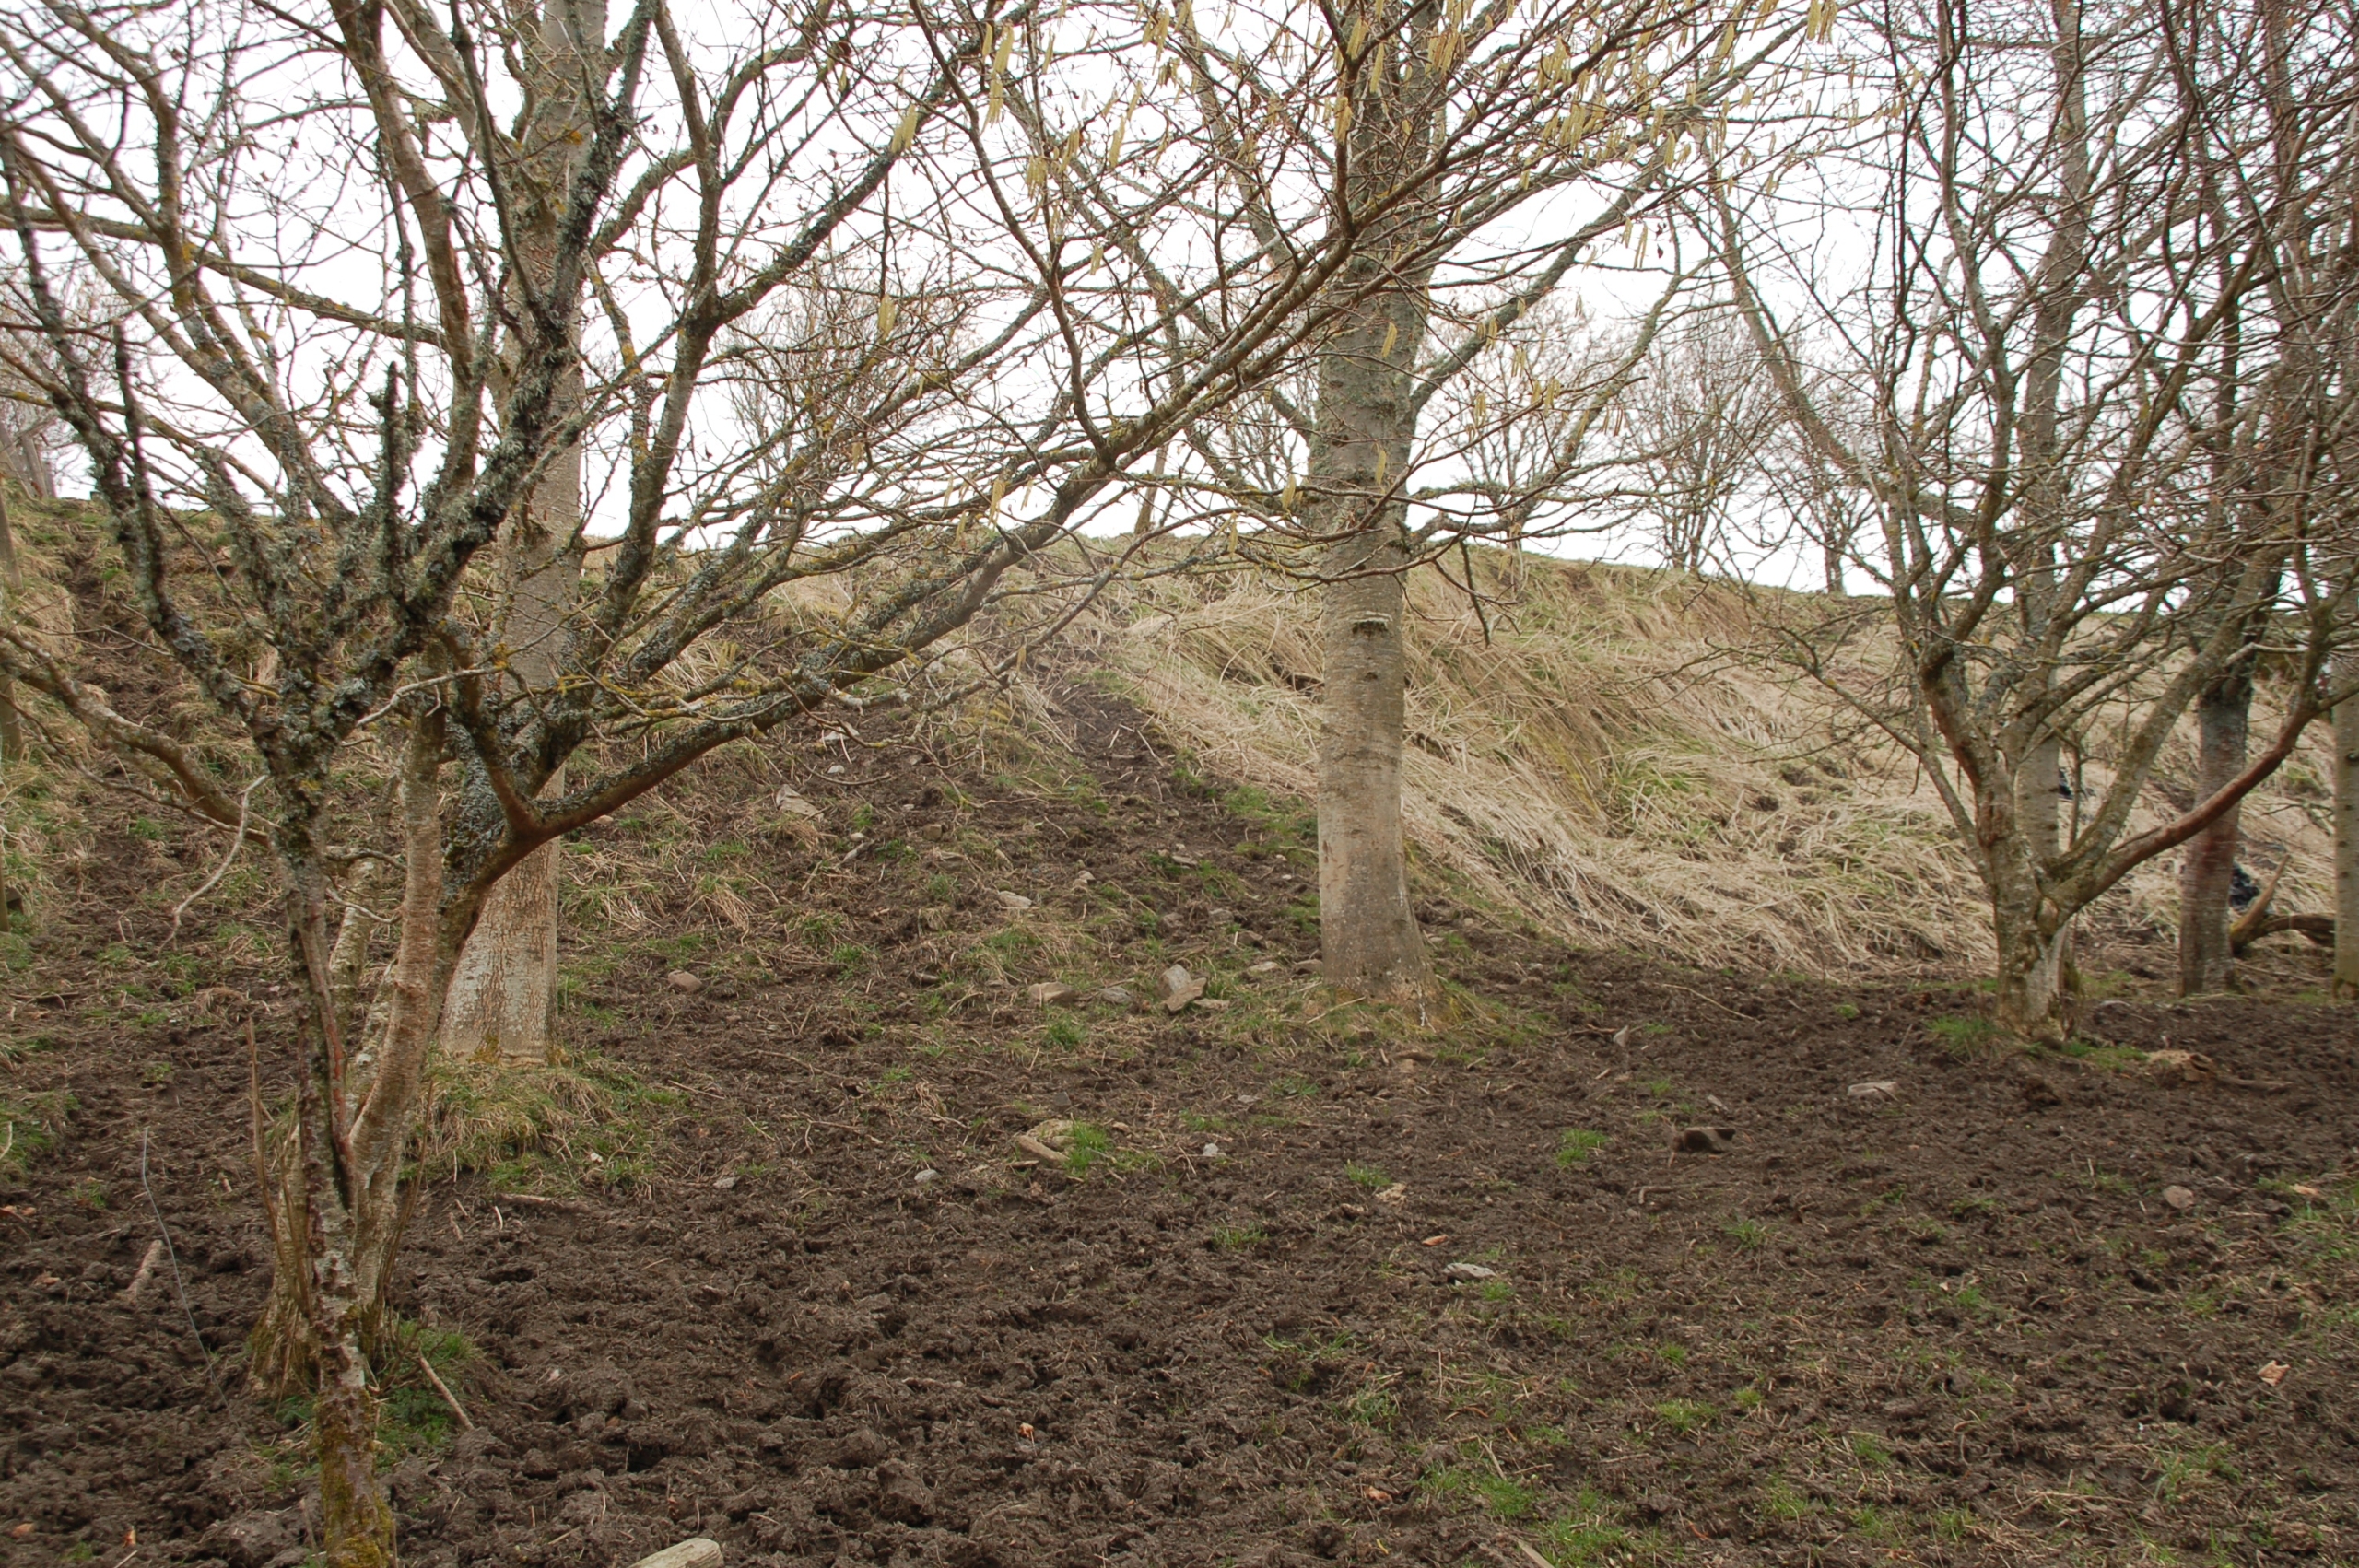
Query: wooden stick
pixel 146 1271
pixel 465 1424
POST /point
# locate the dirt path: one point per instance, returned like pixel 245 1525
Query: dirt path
pixel 1447 1295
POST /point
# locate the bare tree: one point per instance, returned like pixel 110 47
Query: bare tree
pixel 1482 154
pixel 1696 419
pixel 2041 344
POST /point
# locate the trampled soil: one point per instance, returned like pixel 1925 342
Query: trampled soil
pixel 1954 1323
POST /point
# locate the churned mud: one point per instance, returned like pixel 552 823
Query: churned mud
pixel 1603 1262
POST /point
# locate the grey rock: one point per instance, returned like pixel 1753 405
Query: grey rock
pixel 1180 987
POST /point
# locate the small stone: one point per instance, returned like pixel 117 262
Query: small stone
pixel 1012 901
pixel 1113 996
pixel 1267 966
pixel 1879 1089
pixel 927 1177
pixel 695 1553
pixel 1211 1151
pixel 1180 987
pixel 794 804
pixel 2178 1198
pixel 837 771
pixel 681 980
pixel 1397 1193
pixel 1705 1139
pixel 1221 915
pixel 1468 1272
pixel 725 1183
pixel 1052 994
pixel 1213 1003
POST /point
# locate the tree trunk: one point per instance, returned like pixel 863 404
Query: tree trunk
pixel 2035 980
pixel 333 1190
pixel 502 1004
pixel 1367 932
pixel 12 740
pixel 2223 717
pixel 2346 832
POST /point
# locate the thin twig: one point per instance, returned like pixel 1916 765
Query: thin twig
pixel 172 1258
pixel 237 842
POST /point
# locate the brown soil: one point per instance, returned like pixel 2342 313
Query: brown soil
pixel 1957 1324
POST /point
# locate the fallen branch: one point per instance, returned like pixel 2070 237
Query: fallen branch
pixel 465 1423
pixel 2319 928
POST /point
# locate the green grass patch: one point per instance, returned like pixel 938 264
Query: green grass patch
pixel 1578 1144
pixel 29 1125
pixel 1089 1146
pixel 1682 1416
pixel 1964 1033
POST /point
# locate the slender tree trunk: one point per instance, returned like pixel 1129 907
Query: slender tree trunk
pixel 1363 433
pixel 503 997
pixel 502 1003
pixel 1832 556
pixel 2346 832
pixel 12 740
pixel 2222 720
pixel 1369 936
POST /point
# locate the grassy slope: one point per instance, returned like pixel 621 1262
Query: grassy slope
pixel 1591 752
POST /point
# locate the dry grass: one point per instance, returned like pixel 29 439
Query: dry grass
pixel 1596 757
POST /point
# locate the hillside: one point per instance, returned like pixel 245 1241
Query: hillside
pixel 1613 1260
pixel 1599 750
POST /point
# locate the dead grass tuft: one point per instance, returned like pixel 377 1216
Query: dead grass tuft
pixel 1596 754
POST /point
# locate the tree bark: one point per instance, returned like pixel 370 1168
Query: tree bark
pixel 1368 931
pixel 2346 832
pixel 2223 720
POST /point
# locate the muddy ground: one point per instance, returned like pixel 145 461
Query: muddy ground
pixel 1329 1285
